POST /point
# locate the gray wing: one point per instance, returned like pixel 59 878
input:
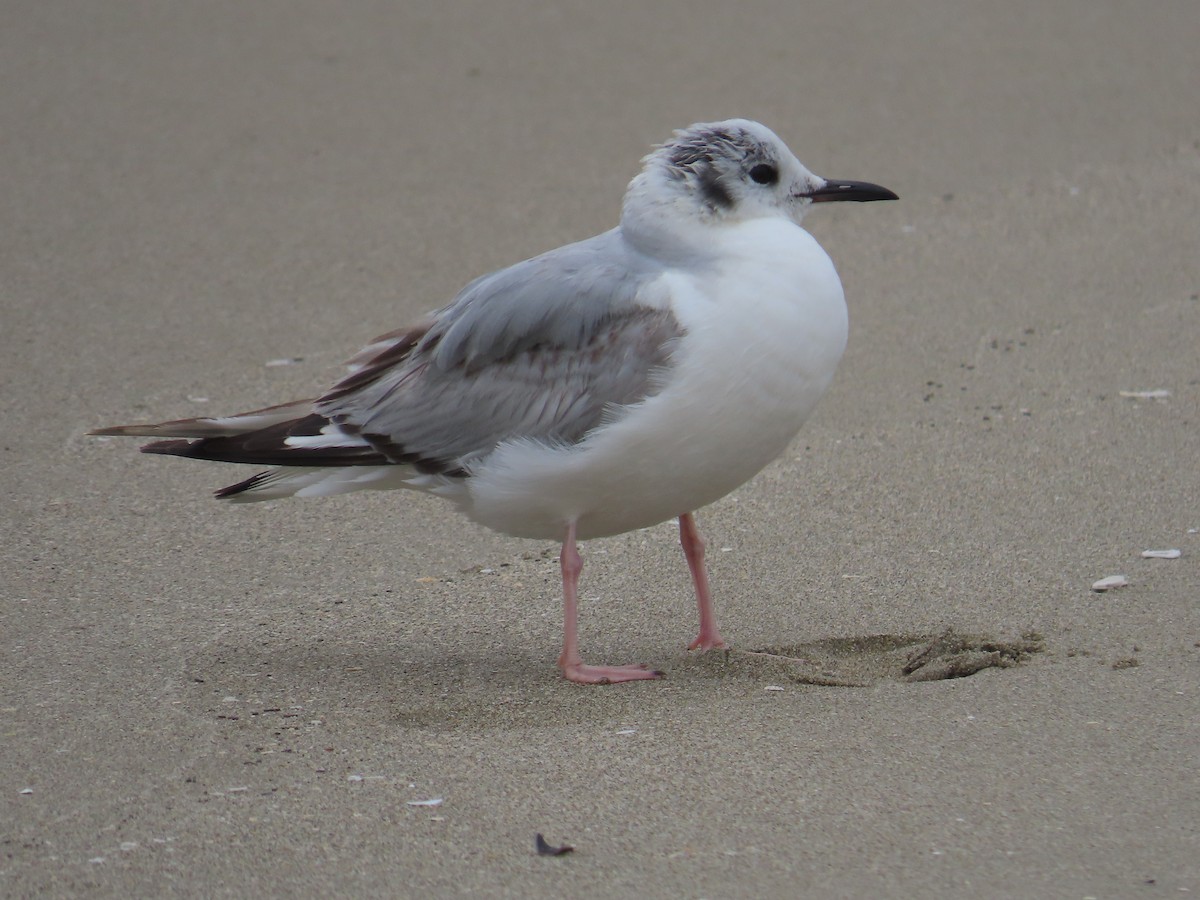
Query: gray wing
pixel 544 350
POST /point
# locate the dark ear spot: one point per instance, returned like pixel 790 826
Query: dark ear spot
pixel 716 195
pixel 764 174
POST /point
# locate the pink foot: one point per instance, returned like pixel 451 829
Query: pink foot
pixel 569 662
pixel 693 549
pixel 712 641
pixel 584 674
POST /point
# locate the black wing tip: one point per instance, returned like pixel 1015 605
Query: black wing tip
pixel 241 487
pixel 268 446
pixel 180 447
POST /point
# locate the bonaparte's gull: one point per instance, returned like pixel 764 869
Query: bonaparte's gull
pixel 605 386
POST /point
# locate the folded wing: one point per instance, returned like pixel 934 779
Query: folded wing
pixel 543 350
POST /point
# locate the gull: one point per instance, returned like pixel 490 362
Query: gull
pixel 605 386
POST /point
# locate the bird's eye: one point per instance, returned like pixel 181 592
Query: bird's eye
pixel 764 174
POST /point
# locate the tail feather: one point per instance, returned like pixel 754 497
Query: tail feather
pixel 275 484
pixel 320 457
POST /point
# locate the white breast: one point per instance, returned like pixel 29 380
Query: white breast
pixel 764 332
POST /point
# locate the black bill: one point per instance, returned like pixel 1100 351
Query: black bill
pixel 861 191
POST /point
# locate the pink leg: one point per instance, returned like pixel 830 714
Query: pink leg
pixel 693 549
pixel 572 666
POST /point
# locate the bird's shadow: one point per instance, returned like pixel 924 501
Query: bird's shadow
pixel 511 687
pixel 505 687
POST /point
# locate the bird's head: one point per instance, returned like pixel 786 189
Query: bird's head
pixel 732 171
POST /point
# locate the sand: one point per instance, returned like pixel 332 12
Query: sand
pixel 198 700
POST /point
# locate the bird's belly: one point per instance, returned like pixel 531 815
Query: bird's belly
pixel 744 381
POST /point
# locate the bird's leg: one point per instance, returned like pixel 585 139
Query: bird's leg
pixel 693 549
pixel 572 666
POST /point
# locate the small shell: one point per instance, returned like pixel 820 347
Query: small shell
pixel 1159 394
pixel 1161 554
pixel 1107 584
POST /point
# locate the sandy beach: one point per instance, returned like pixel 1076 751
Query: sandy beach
pixel 206 208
